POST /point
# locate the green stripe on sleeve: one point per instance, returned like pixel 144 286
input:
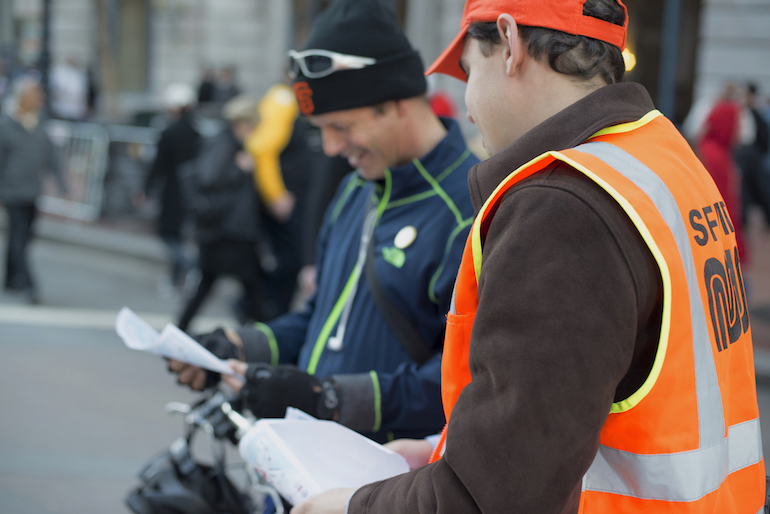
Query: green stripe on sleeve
pixel 377 402
pixel 274 355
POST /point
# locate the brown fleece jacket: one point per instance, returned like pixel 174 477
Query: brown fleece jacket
pixel 568 322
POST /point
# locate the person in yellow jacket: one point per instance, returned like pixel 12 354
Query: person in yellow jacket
pixel 278 111
pixel 598 352
pixel 281 166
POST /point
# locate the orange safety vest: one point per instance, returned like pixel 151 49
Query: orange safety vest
pixel 689 439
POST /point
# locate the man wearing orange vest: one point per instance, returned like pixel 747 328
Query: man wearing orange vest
pixel 598 354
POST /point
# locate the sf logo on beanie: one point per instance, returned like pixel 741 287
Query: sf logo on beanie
pixel 304 97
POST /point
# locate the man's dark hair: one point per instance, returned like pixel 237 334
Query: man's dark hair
pixel 578 56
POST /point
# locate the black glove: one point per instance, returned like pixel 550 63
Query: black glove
pixel 217 343
pixel 268 391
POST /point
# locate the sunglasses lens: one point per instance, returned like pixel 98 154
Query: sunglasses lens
pixel 317 63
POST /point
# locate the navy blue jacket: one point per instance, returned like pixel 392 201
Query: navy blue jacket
pixel 384 393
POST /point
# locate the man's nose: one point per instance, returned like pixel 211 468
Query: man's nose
pixel 470 118
pixel 333 142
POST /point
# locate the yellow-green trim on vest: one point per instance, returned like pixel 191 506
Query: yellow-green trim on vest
pixel 665 325
pixel 476 228
pixel 628 127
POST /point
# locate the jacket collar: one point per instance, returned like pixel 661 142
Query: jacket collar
pixel 607 106
pixel 407 179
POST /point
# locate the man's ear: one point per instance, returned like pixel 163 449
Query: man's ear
pixel 513 47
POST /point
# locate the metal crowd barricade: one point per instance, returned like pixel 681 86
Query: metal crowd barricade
pixel 132 151
pixel 82 151
pixel 102 167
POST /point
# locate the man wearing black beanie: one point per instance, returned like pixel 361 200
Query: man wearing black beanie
pixel 348 356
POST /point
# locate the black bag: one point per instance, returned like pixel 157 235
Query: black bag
pixel 208 205
pixel 173 482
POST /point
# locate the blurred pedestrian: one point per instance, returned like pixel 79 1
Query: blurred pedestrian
pixel 719 136
pixel 26 153
pixel 764 110
pixel 751 161
pixel 227 210
pixel 179 143
pixel 283 163
pixel 69 90
pixel 206 86
pixel 93 91
pixel 4 82
pixel 225 87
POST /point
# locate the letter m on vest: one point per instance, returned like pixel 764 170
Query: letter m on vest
pixel 727 299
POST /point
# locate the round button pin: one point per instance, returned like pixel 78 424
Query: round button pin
pixel 405 237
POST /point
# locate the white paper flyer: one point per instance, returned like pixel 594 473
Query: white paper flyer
pixel 171 342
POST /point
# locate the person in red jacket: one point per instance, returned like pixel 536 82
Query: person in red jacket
pixel 598 353
pixel 721 132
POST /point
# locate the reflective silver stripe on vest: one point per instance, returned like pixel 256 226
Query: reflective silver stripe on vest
pixel 711 419
pixel 685 476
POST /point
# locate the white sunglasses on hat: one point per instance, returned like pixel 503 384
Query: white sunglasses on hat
pixel 320 63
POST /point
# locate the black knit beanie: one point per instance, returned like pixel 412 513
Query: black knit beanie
pixel 365 28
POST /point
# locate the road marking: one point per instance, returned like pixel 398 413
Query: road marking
pixel 94 319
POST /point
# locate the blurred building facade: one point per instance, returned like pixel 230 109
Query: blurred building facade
pixel 733 45
pixel 137 47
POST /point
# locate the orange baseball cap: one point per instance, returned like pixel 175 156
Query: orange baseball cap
pixel 562 15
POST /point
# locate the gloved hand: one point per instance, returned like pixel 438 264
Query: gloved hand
pixel 268 391
pixel 217 343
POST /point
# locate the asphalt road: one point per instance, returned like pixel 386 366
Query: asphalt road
pixel 79 412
